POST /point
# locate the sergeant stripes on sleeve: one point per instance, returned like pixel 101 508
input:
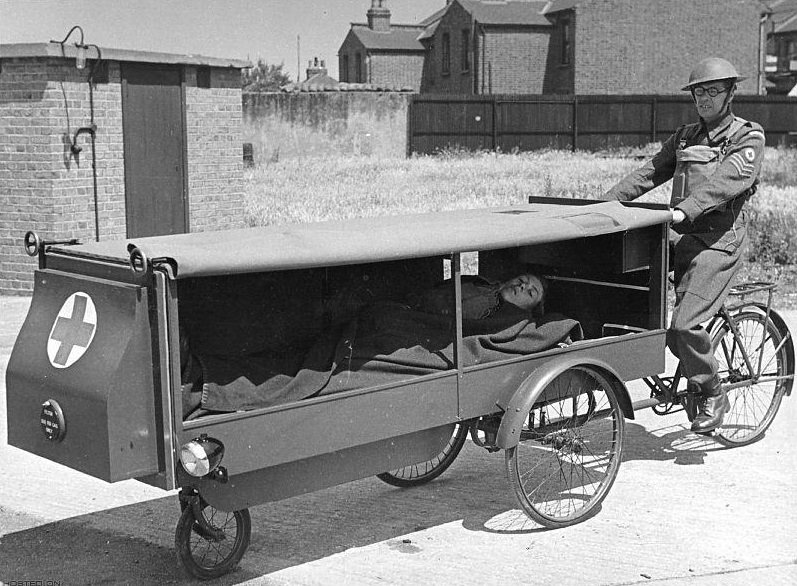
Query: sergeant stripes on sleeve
pixel 742 165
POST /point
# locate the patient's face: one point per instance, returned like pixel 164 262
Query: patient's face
pixel 525 291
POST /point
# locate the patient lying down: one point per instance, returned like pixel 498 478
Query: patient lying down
pixel 482 298
pixel 387 342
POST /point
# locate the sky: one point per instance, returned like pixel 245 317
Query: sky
pixel 288 32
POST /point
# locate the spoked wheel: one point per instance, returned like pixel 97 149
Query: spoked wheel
pixel 213 545
pixel 423 472
pixel 570 449
pixel 754 404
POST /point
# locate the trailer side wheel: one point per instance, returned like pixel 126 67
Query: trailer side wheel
pixel 213 546
pixel 570 449
pixel 423 472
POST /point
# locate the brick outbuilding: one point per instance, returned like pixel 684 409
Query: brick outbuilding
pixel 150 145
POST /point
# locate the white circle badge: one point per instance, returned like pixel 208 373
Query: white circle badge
pixel 72 331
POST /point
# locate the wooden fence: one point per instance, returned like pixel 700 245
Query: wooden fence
pixel 515 122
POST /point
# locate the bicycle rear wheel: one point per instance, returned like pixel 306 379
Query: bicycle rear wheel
pixel 754 404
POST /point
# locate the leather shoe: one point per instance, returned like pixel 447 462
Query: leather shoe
pixel 711 411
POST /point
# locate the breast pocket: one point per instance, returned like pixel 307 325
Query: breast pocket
pixel 693 165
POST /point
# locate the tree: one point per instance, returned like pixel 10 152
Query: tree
pixel 264 78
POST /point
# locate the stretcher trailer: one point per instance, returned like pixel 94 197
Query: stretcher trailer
pixel 248 366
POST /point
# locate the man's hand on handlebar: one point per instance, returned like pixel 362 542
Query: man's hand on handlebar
pixel 678 216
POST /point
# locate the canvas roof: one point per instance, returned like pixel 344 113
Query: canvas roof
pixel 366 240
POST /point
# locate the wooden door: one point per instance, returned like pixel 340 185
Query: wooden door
pixel 154 150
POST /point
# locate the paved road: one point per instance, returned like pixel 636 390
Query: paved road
pixel 655 527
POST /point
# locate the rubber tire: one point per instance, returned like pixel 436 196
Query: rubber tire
pixel 188 539
pixel 592 385
pixel 747 403
pixel 423 472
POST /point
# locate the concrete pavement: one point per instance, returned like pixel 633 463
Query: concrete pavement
pixel 656 525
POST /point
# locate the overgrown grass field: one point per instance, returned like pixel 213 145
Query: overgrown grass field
pixel 312 189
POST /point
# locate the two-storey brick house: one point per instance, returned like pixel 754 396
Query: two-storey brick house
pixel 382 53
pixel 586 46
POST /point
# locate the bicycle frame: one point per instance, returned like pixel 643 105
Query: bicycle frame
pixel 665 388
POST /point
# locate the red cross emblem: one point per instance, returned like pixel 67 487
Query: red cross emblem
pixel 72 331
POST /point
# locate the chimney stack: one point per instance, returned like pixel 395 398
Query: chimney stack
pixel 379 16
pixel 314 66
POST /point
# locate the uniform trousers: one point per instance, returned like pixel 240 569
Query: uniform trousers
pixel 703 278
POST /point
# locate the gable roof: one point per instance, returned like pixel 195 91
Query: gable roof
pixel 559 5
pixel 506 12
pixel 783 15
pixel 787 26
pixel 398 38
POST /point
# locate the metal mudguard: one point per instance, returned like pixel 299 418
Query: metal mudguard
pixel 516 412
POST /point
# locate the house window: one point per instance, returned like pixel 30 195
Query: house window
pixel 358 63
pixel 345 68
pixel 565 33
pixel 465 59
pixel 792 56
pixel 446 50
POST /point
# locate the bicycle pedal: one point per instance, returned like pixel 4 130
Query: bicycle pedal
pixel 710 433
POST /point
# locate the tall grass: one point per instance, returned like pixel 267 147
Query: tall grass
pixel 312 189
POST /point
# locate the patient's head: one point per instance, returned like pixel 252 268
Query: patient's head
pixel 526 291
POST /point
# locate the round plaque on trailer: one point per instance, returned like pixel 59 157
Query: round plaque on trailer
pixel 52 421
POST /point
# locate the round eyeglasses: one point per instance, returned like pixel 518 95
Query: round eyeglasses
pixel 711 91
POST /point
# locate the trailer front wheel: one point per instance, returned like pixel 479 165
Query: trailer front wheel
pixel 211 546
pixel 569 450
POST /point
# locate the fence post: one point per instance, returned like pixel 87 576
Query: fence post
pixel 654 118
pixel 494 114
pixel 410 108
pixel 575 122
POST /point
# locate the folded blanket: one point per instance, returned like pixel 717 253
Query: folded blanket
pixel 387 342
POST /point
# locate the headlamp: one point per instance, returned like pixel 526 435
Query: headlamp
pixel 202 455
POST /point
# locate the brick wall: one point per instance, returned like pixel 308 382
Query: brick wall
pixel 43 185
pixel 303 125
pixel 622 49
pixel 347 68
pixel 215 151
pixel 46 188
pixel 559 78
pixel 515 61
pixel 455 81
pixel 396 69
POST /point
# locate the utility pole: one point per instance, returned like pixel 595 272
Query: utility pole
pixel 298 58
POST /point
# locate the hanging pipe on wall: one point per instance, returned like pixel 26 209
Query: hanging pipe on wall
pixel 80 63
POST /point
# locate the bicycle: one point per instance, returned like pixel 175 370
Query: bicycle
pixel 755 353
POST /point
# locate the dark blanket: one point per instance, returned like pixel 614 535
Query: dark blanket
pixel 386 343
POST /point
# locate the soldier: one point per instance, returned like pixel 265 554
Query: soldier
pixel 714 165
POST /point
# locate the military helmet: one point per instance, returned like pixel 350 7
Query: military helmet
pixel 711 69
